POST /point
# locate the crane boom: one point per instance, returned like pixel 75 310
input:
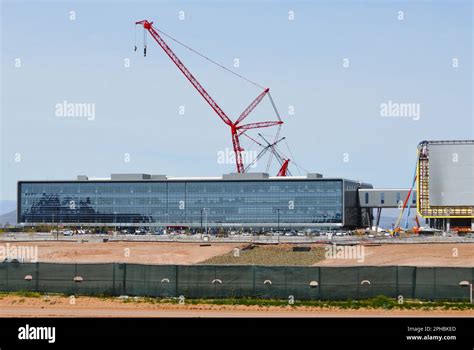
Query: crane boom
pixel 252 106
pixel 236 129
pixel 148 26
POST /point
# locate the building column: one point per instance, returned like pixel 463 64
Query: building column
pixel 472 224
pixel 377 219
pixel 448 225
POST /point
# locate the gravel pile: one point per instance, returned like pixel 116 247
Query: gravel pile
pixel 282 255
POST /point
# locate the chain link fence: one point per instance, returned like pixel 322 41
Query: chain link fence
pixel 206 281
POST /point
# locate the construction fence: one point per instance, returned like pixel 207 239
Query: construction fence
pixel 206 281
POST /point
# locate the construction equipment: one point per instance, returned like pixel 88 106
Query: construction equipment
pixel 284 161
pixel 410 194
pixel 237 128
pixel 262 153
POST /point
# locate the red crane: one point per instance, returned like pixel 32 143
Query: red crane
pixel 236 128
pixel 284 168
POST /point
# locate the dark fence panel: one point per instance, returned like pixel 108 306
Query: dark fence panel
pixel 234 281
pixel 94 279
pixel 197 281
pixel 447 282
pixel 270 282
pixel 425 283
pixel 3 277
pixel 20 277
pixel 57 278
pixel 377 281
pixel 406 281
pixel 339 282
pixel 303 283
pixel 211 281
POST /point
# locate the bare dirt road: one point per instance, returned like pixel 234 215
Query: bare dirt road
pixel 125 252
pixel 60 306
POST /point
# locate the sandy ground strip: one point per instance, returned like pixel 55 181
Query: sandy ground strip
pixel 428 254
pixel 431 254
pixel 126 252
pixel 60 306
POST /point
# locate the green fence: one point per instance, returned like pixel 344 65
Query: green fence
pixel 203 281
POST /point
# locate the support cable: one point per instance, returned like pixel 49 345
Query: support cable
pixel 209 59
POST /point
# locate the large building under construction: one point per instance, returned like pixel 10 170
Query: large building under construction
pixel 249 201
pixel 445 183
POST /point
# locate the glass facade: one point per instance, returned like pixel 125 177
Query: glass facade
pixel 183 203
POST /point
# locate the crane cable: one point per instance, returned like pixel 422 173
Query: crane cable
pixel 135 46
pixel 292 158
pixel 270 158
pixel 410 193
pixel 208 59
pixel 237 75
pixel 144 41
pixel 298 166
pixel 277 113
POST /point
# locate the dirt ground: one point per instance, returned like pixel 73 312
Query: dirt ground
pixel 61 306
pixel 430 254
pixel 126 252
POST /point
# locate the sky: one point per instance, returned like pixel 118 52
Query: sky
pixel 333 69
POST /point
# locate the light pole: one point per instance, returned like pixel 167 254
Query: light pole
pixel 57 228
pixel 205 210
pixel 278 225
pixel 201 219
pixel 467 284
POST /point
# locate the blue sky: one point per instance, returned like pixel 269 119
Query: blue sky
pixel 337 110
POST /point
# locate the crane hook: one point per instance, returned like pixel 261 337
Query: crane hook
pixel 144 51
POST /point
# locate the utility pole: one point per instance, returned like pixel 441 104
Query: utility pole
pixel 278 225
pixel 201 219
